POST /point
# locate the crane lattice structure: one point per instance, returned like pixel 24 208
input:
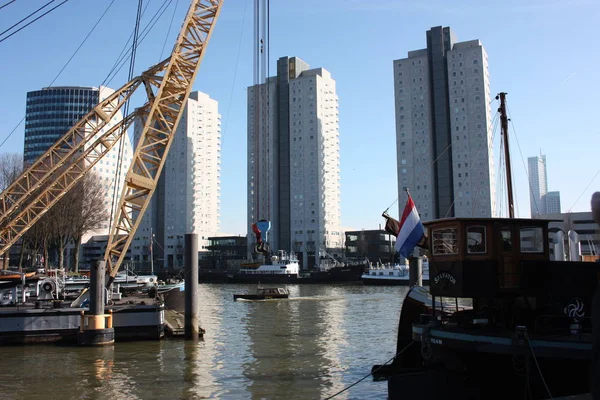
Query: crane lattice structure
pixel 167 86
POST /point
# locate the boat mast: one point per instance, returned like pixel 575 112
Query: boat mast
pixel 504 131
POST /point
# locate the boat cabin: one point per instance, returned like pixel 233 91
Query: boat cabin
pixel 492 257
pixel 272 291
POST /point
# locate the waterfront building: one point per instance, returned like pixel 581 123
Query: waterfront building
pixel 376 245
pixel 187 196
pixel 443 128
pixel 581 222
pixel 294 160
pixel 51 112
pixel 94 249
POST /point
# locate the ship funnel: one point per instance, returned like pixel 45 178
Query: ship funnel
pixel 574 246
pixel 559 246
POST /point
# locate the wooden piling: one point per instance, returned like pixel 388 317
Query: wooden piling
pixel 192 328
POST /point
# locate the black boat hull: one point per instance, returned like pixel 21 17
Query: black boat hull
pixel 258 297
pixel 441 368
pixel 388 282
pixel 346 274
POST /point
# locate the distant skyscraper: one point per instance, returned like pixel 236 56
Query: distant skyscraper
pixel 187 197
pixel 553 203
pixel 51 112
pixel 443 128
pixel 538 181
pixel 294 159
pixel 541 201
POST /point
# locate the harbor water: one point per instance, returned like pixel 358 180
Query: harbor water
pixel 321 340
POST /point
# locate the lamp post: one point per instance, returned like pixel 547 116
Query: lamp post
pixel 151 253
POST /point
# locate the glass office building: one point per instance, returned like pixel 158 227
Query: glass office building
pixel 50 113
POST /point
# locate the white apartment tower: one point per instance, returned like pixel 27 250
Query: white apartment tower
pixel 107 170
pixel 187 197
pixel 294 160
pixel 443 128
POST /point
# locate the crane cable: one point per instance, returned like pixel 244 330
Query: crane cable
pixel 134 46
pixel 168 30
pixel 120 59
pixel 31 22
pixel 142 36
pixel 9 3
pixel 27 17
pixel 63 68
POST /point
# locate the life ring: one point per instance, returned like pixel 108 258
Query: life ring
pixel 151 280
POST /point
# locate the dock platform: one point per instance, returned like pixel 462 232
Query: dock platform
pixel 175 324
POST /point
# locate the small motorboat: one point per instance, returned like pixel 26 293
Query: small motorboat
pixel 264 293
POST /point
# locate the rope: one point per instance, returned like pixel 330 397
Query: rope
pixel 588 185
pixel 538 366
pixel 495 122
pixel 370 373
pixel 522 160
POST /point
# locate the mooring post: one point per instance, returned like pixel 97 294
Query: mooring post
pixel 415 271
pixel 192 328
pixel 97 288
pixel 96 327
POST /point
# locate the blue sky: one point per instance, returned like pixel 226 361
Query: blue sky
pixel 543 53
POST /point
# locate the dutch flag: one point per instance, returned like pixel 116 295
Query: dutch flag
pixel 411 230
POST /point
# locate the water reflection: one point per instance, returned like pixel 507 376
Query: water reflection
pixel 310 346
pixel 295 344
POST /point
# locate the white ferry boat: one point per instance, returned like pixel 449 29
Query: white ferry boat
pixel 283 268
pixel 397 274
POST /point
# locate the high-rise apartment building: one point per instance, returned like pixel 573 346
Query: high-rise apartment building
pixel 443 128
pixel 187 197
pixel 51 112
pixel 541 201
pixel 294 160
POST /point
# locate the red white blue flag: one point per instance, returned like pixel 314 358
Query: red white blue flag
pixel 411 229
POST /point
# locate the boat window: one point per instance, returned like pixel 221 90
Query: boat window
pixel 476 239
pixel 506 240
pixel 445 241
pixel 532 240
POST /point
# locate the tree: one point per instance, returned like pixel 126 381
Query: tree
pixel 89 197
pixel 11 166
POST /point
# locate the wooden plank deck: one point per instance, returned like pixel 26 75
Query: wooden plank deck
pixel 175 324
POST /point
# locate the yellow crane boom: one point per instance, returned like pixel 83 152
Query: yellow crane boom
pixel 167 85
